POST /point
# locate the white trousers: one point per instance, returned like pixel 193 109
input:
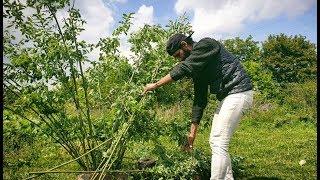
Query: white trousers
pixel 225 121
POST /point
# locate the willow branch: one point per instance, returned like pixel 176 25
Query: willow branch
pixel 76 101
pixel 71 151
pixel 85 87
pixel 53 121
pixel 68 162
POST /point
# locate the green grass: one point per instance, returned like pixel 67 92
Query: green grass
pixel 276 152
pixel 40 155
pixel 269 142
pixel 270 150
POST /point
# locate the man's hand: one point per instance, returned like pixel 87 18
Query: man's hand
pixel 191 137
pixel 149 87
pixel 165 80
pixel 189 145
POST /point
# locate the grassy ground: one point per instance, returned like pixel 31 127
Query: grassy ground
pixel 267 150
pixel 269 143
pixel 272 141
pixel 40 155
pixel 270 152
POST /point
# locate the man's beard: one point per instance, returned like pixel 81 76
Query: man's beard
pixel 186 54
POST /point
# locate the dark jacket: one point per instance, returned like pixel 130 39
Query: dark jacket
pixel 210 64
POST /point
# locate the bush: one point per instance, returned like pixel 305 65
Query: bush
pixel 290 59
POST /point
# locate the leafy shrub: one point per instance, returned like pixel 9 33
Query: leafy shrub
pixel 262 79
pixel 244 49
pixel 290 58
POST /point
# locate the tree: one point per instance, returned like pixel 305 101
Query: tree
pixel 53 57
pixel 289 58
pixel 46 85
pixel 244 49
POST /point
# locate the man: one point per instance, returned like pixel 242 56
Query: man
pixel 209 64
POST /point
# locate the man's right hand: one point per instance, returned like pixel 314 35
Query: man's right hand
pixel 165 80
pixel 149 87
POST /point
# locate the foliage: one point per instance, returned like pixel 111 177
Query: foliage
pixel 18 132
pixel 289 58
pixel 183 166
pixel 262 79
pixel 52 57
pixel 49 92
pixel 244 49
pixel 46 83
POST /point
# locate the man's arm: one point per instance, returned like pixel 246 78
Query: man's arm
pixel 165 80
pixel 200 101
pixel 199 104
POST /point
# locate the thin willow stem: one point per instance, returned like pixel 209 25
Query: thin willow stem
pixel 115 147
pixel 89 172
pixel 85 88
pixel 76 101
pixel 68 162
pixel 129 124
pixel 71 151
pixel 53 121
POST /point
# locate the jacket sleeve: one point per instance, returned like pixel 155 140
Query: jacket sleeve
pixel 202 52
pixel 200 101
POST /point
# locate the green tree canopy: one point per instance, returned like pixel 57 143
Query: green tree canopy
pixel 290 58
pixel 244 49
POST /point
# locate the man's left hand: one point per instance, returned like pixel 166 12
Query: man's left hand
pixel 191 137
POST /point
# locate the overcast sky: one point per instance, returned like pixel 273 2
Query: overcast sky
pixel 220 19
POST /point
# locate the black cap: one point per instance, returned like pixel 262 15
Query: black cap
pixel 174 41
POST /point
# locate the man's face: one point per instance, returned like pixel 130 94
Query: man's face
pixel 181 54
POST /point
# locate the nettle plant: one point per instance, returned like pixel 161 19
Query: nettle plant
pixel 92 113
